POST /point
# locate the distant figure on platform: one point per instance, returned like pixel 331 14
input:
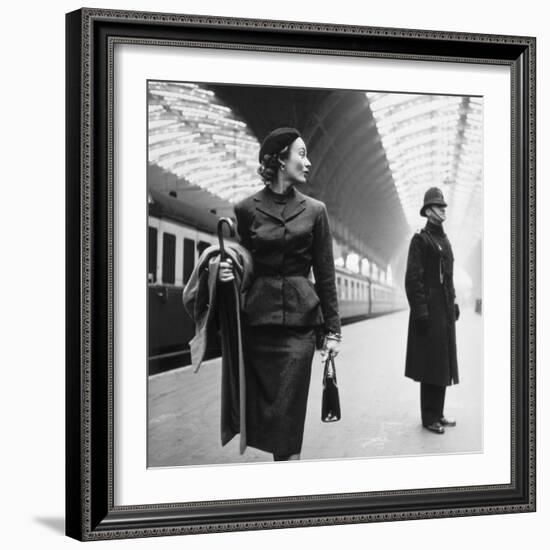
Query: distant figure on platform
pixel 431 344
pixel 288 235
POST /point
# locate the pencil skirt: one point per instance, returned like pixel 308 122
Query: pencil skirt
pixel 278 372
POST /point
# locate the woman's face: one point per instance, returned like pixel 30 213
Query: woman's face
pixel 297 165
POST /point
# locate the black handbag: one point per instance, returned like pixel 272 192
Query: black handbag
pixel 330 405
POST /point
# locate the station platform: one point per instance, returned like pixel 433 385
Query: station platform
pixel 380 407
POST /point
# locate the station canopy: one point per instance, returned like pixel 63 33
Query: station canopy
pixel 435 141
pixel 199 140
pixel 373 154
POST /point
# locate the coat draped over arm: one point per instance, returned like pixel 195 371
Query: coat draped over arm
pixel 215 307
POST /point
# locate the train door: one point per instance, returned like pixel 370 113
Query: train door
pixel 188 258
pixel 369 306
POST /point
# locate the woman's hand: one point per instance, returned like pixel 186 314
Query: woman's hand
pixel 225 272
pixel 331 345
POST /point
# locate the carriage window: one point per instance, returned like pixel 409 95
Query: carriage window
pixel 346 289
pixel 168 258
pixel 202 246
pixel 152 256
pixel 188 258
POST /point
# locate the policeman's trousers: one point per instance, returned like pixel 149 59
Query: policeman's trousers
pixel 432 401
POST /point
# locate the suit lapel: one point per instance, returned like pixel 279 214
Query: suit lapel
pixel 296 205
pixel 265 205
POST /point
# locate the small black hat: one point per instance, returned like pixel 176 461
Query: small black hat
pixel 277 140
pixel 433 195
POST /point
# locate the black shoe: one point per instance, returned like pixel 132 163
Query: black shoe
pixel 449 423
pixel 435 427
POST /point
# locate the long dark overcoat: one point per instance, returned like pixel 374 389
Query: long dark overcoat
pixel 431 343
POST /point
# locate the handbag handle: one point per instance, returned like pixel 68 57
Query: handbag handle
pixel 330 366
pixel 330 402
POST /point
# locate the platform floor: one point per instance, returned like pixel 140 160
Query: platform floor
pixel 380 407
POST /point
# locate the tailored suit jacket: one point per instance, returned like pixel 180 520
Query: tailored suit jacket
pixel 285 248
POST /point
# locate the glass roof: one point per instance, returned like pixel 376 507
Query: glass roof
pixel 196 137
pixel 429 140
pixel 434 141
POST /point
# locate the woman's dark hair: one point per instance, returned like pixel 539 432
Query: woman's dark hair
pixel 270 165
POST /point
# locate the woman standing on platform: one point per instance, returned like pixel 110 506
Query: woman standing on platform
pixel 287 234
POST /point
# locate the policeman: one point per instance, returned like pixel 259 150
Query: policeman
pixel 431 343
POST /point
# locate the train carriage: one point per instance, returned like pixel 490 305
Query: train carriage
pixel 177 234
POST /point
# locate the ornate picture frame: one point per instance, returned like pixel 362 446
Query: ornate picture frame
pixel 91 365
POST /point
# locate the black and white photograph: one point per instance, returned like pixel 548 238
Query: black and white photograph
pixel 300 274
pixel 314 273
pixel 169 167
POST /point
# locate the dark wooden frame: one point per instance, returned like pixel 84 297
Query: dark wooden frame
pixel 90 511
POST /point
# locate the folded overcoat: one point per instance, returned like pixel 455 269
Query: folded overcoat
pixel 216 307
